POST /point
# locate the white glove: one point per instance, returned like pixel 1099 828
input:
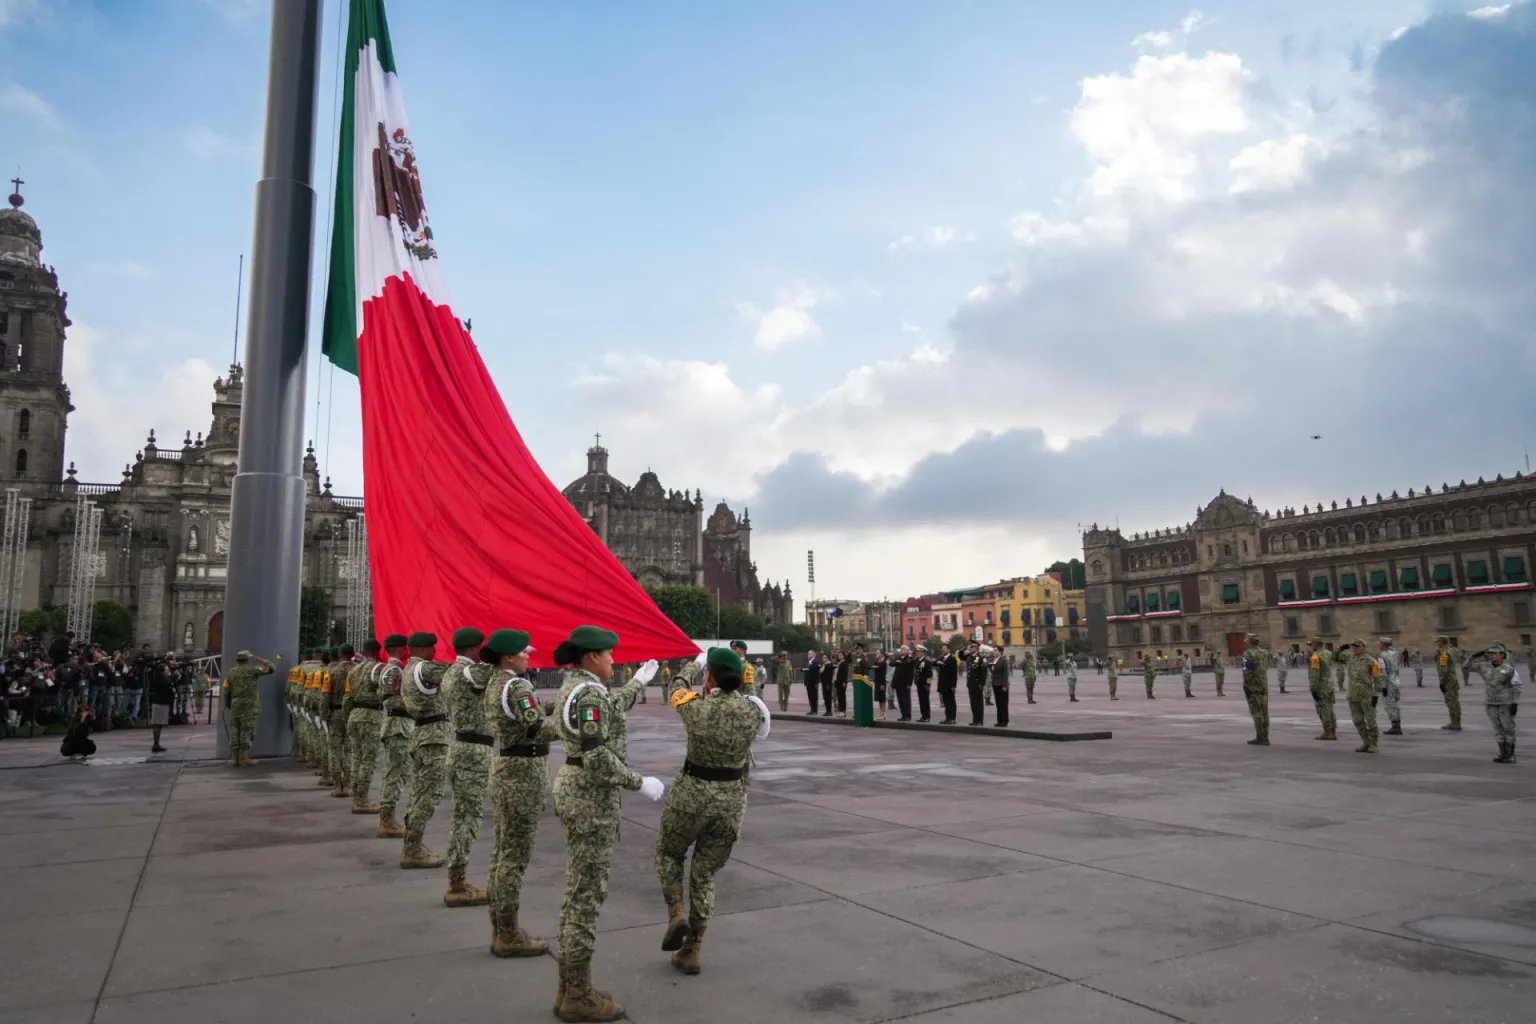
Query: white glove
pixel 652 788
pixel 645 673
pixel 701 660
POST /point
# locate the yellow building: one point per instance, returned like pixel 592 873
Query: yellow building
pixel 1036 611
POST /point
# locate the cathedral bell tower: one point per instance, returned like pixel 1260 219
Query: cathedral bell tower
pixel 34 400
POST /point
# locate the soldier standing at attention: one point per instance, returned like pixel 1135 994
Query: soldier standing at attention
pixel 395 737
pixel 949 679
pixel 1112 669
pixel 708 800
pixel 1186 670
pixel 320 715
pixel 1340 667
pixel 1450 682
pixel 1364 672
pixel 469 760
pixel 422 690
pixel 811 676
pixel 1071 679
pixel 1148 674
pixel 1418 668
pixel 334 691
pixel 783 678
pixel 1321 683
pixel 1282 662
pixel 1219 667
pixel 242 699
pixel 1002 676
pixel 748 670
pixel 1030 674
pixel 1256 690
pixel 1501 690
pixel 516 716
pixel 364 723
pixel 877 674
pixel 903 667
pixel 291 702
pixel 1390 662
pixel 596 741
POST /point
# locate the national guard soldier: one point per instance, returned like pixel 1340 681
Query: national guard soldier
pixel 1030 674
pixel 242 700
pixel 319 669
pixel 783 678
pixel 333 690
pixel 291 703
pixel 517 784
pixel 1364 674
pixel 1320 680
pixel 1256 689
pixel 1501 689
pixel 1219 669
pixel 364 722
pixel 395 737
pixel 1341 659
pixel 708 800
pixel 587 802
pixel 1450 681
pixel 748 670
pixel 1148 674
pixel 1186 670
pixel 469 760
pixel 1418 668
pixel 1112 669
pixel 1071 679
pixel 1390 663
pixel 1282 660
pixel 422 690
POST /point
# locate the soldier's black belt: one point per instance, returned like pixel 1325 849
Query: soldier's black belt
pixel 474 737
pixel 397 713
pixel 527 750
pixel 574 762
pixel 709 773
pixel 367 705
pixel 429 719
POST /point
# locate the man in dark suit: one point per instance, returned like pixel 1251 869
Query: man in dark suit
pixel 810 675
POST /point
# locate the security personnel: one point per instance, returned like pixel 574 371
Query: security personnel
pixel 1148 674
pixel 334 692
pixel 395 737
pixel 1256 689
pixel 1450 680
pixel 1030 673
pixel 1320 680
pixel 422 690
pixel 1364 676
pixel 365 720
pixel 1390 664
pixel 1501 686
pixel 1111 669
pixel 1219 668
pixel 748 670
pixel 783 678
pixel 242 699
pixel 469 760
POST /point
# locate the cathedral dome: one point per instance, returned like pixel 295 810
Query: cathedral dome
pixel 20 240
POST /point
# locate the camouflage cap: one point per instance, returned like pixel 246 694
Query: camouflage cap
pixel 1357 643
pixel 242 655
pixel 1385 641
pixel 1442 639
pixel 1316 640
pixel 1497 648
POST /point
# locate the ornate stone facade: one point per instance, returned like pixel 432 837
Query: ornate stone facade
pixel 660 536
pixel 1455 560
pixel 165 526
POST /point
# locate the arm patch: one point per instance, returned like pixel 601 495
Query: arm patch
pixel 681 697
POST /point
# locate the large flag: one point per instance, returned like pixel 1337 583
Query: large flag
pixel 464 528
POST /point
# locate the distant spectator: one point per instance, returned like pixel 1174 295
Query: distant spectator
pixel 162 694
pixel 61 648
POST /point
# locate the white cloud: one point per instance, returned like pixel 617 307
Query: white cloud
pixel 209 146
pixel 1155 40
pixel 790 322
pixel 117 403
pixel 909 328
pixel 1276 163
pixel 1194 21
pixel 1490 12
pixel 936 237
pixel 25 101
pixel 16 12
pixel 1398 32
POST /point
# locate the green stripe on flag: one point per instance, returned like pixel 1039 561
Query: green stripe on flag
pixel 338 340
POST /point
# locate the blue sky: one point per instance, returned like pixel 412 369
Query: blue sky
pixel 903 261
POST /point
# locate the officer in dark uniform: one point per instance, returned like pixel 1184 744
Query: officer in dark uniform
pixel 949 678
pixel 828 672
pixel 840 680
pixel 901 682
pixel 976 671
pixel 922 667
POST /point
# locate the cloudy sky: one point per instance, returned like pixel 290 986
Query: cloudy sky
pixel 926 285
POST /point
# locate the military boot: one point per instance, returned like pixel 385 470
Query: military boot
pixel 1396 730
pixel 325 779
pixel 1455 724
pixel 1506 755
pixel 360 804
pixel 565 977
pixel 580 1001
pixel 1364 747
pixel 460 893
pixel 677 919
pixel 508 940
pixel 1372 748
pixel 341 789
pixel 416 855
pixel 389 828
pixel 687 958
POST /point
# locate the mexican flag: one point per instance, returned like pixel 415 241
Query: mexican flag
pixel 464 528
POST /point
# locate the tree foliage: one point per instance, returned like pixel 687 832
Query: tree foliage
pixel 1075 645
pixel 314 618
pixel 737 623
pixel 43 623
pixel 111 626
pixel 691 609
pixel 1073 576
pixel 934 645
pixel 791 637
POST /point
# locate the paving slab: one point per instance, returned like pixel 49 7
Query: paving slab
pixel 60 958
pixel 1064 1001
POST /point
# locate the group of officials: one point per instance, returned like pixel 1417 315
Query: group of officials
pixel 478 722
pixel 986 669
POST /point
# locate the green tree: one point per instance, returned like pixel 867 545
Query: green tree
pixel 692 609
pixel 1073 577
pixel 791 637
pixel 43 623
pixel 111 626
pixel 958 642
pixel 736 623
pixel 935 646
pixel 314 617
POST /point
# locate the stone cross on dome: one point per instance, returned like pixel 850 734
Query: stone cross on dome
pixel 16 199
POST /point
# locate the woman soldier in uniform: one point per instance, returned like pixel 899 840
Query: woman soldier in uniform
pixel 587 790
pixel 709 797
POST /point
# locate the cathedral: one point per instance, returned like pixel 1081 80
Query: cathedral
pixel 662 538
pixel 164 543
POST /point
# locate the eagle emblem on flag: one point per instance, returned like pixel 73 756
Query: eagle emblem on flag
pixel 397 191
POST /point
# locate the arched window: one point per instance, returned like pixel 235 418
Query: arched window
pixel 1495 515
pixel 23 423
pixel 1290 542
pixel 1359 534
pixel 1276 545
pixel 1226 549
pixel 21 461
pixel 1421 526
pixel 1438 523
pixel 1474 519
pixel 1458 520
pixel 1373 531
pixel 1317 540
pixel 1328 536
pixel 1391 529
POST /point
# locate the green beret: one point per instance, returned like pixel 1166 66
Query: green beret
pixel 469 636
pixel 738 643
pixel 584 640
pixel 506 642
pixel 421 638
pixel 724 658
pixel 394 640
pixel 334 652
pixel 372 646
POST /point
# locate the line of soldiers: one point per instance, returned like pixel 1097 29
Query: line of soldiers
pixel 988 674
pixel 1374 679
pixel 479 723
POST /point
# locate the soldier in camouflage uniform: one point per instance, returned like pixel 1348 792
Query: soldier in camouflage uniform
pixel 1072 679
pixel 1320 681
pixel 783 678
pixel 1390 664
pixel 318 718
pixel 1364 676
pixel 1282 664
pixel 422 691
pixel 1255 664
pixel 334 694
pixel 1501 688
pixel 708 801
pixel 469 760
pixel 394 737
pixel 1030 672
pixel 365 718
pixel 587 801
pixel 1112 672
pixel 242 699
pixel 1148 674
pixel 516 717
pixel 749 675
pixel 1219 669
pixel 1186 670
pixel 1450 681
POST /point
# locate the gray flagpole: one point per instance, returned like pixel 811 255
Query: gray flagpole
pixel 266 543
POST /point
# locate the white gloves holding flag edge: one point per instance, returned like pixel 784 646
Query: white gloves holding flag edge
pixel 645 673
pixel 652 788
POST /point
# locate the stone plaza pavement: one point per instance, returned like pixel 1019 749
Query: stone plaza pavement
pixel 1172 873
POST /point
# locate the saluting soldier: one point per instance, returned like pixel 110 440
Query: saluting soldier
pixel 395 737
pixel 949 679
pixel 242 699
pixel 902 671
pixel 783 678
pixel 469 760
pixel 708 800
pixel 1320 680
pixel 1450 681
pixel 364 722
pixel 1501 689
pixel 587 802
pixel 923 674
pixel 516 716
pixel 422 690
pixel 334 691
